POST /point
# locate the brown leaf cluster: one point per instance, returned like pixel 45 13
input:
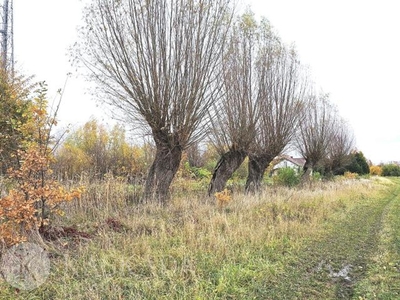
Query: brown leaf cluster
pixel 34 197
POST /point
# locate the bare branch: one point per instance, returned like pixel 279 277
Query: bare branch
pixel 283 84
pixel 316 132
pixel 159 63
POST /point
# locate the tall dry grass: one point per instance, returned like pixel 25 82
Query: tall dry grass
pixel 192 248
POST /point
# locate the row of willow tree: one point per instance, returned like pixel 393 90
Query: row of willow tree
pixel 186 70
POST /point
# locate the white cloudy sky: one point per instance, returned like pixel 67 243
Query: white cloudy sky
pixel 352 47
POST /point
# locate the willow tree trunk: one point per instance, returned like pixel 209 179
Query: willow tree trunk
pixel 161 173
pixel 226 166
pixel 256 169
pixel 307 172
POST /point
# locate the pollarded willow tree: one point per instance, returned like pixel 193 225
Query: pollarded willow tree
pixel 341 145
pixel 316 132
pixel 281 104
pixel 158 62
pixel 234 120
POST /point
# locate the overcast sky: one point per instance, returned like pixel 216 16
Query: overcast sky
pixel 351 46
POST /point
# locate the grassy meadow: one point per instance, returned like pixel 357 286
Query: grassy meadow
pixel 332 240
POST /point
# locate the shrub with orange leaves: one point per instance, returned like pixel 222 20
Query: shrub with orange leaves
pixel 223 198
pixel 375 170
pixel 34 195
pixel 33 199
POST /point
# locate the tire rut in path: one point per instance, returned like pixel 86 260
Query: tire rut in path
pixel 339 258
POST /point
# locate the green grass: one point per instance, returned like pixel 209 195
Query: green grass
pixel 349 239
pixel 282 244
pixel 383 276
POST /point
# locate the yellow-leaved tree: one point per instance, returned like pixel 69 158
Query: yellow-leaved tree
pixel 95 150
pixel 14 108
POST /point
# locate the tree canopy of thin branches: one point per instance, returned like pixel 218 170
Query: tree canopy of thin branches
pixel 281 103
pixel 158 62
pixel 264 89
pixel 234 122
pixel 340 147
pixel 316 132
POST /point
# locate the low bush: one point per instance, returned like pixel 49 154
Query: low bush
pixel 390 170
pixel 287 177
pixel 200 173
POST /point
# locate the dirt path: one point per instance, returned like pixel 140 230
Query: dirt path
pixel 340 263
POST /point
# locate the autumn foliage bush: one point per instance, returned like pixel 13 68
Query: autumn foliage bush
pixel 375 170
pixel 223 198
pixel 33 198
pixel 14 116
pixel 33 195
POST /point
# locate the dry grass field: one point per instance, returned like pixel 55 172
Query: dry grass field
pixel 332 240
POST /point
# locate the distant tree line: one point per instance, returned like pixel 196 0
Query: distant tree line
pixel 93 151
pixel 391 169
pixel 353 162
